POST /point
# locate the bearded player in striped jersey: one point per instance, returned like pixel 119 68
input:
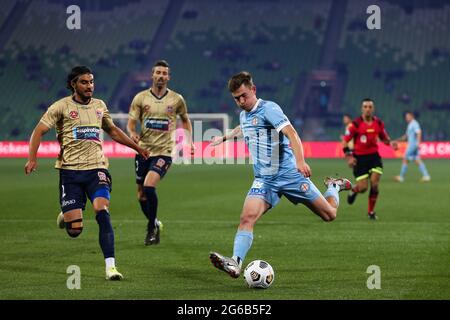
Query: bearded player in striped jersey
pixel 82 165
pixel 365 160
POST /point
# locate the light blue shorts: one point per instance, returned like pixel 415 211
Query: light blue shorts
pixel 412 153
pixel 295 187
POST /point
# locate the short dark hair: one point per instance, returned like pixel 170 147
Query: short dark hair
pixel 367 100
pixel 239 79
pixel 161 63
pixel 348 115
pixel 75 73
pixel 410 112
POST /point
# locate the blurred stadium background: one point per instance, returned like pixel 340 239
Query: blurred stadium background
pixel 317 59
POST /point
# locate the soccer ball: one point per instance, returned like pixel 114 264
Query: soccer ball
pixel 259 274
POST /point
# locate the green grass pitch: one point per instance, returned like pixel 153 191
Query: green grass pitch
pixel 200 207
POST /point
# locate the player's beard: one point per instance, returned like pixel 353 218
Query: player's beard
pixel 84 98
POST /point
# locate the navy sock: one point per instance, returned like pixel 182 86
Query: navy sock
pixel 152 206
pixel 106 233
pixel 144 207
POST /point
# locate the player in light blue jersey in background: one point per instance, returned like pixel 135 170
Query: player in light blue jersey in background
pixel 414 136
pixel 279 169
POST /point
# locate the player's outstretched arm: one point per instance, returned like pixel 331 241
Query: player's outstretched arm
pixel 35 142
pixel 235 133
pixel 119 136
pixel 387 141
pixel 297 148
pixel 402 138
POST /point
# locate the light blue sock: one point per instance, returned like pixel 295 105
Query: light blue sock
pixel 242 243
pixel 423 169
pixel 403 170
pixel 332 192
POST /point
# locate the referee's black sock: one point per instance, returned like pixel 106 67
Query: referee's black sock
pixel 152 206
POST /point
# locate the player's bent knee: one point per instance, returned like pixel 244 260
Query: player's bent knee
pixel 331 216
pixel 248 219
pixel 328 214
pixel 73 233
pixel 74 227
pixel 100 204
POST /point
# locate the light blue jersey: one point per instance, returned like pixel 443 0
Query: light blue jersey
pixel 268 147
pixel 412 151
pixel 274 163
pixel 411 132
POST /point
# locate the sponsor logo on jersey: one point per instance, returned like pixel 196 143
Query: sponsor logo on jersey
pixel 146 108
pixel 86 133
pixel 99 113
pixel 73 114
pixel 157 124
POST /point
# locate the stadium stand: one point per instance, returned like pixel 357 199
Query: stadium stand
pixel 403 69
pixel 41 49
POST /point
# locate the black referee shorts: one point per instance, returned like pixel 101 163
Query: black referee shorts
pixel 366 164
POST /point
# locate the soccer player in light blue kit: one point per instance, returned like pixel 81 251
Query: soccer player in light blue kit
pixel 279 169
pixel 414 136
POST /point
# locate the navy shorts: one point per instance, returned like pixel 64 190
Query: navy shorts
pixel 159 164
pixel 76 186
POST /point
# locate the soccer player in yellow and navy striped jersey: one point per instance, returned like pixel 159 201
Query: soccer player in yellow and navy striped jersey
pixel 82 165
pixel 156 109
